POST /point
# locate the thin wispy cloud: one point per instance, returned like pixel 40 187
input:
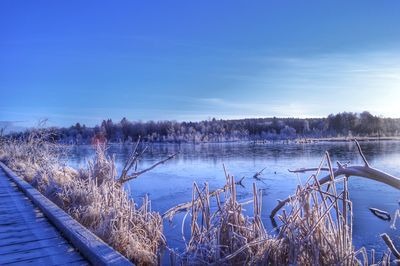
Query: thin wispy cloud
pixel 244 109
pixel 326 83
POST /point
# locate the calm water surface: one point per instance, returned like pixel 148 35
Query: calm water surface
pixel 171 183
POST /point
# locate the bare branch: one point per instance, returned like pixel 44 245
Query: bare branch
pixel 343 170
pixel 132 156
pixel 361 171
pixel 134 175
pixel 132 160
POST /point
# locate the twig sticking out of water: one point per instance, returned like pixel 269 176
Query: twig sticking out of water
pixel 396 216
pixel 361 153
pixel 258 174
pixel 240 182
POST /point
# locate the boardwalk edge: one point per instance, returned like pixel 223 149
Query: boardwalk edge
pixel 88 244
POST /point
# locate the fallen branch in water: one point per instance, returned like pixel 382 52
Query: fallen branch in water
pixel 381 214
pixel 133 160
pixel 343 170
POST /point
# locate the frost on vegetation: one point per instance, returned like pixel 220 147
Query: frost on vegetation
pixel 92 195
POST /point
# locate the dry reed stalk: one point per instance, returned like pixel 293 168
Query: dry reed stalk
pixel 93 196
pixel 315 229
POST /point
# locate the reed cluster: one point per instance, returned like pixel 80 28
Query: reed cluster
pixel 91 195
pixel 315 228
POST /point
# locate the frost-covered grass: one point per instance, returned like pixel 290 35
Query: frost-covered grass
pixel 315 231
pixel 91 195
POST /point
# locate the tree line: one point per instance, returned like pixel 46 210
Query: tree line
pixel 345 124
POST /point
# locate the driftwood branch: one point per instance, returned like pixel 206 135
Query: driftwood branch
pixel 126 177
pixel 343 170
pixel 133 160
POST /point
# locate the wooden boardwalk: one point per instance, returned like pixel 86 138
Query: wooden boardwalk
pixel 26 236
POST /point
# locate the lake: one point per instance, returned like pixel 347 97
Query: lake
pixel 171 183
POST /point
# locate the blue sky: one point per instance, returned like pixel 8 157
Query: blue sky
pixel 85 61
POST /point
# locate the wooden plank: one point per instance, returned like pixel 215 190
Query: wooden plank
pixel 67 261
pixel 28 217
pixel 11 208
pixel 75 263
pixel 30 235
pixel 41 223
pixel 10 198
pixel 26 236
pixel 43 247
pixel 23 228
pixel 9 223
pixel 26 247
pixel 51 258
pixel 12 241
pixel 19 221
pixel 64 249
pixel 37 242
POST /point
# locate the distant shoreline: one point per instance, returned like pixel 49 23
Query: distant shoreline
pixel 346 139
pixel 333 128
pixel 266 141
pixel 326 139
